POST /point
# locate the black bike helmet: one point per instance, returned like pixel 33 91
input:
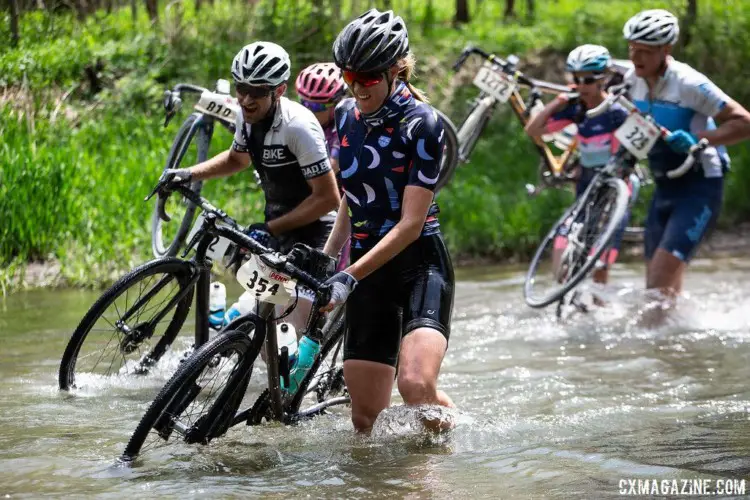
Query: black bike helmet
pixel 373 42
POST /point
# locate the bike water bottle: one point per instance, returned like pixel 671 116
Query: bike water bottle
pixel 308 349
pixel 217 303
pixel 286 336
pixel 244 305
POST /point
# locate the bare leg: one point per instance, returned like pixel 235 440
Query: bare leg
pixel 370 385
pixel 421 355
pixel 665 272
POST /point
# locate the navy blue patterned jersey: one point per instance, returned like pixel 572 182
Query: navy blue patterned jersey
pixel 400 145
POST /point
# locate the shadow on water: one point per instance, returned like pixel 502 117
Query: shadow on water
pixel 546 407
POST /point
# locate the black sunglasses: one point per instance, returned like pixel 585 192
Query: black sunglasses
pixel 253 91
pixel 587 80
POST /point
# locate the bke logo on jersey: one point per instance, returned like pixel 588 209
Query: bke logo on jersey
pixel 274 154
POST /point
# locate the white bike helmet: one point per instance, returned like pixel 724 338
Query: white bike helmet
pixel 588 58
pixel 652 27
pixel 261 63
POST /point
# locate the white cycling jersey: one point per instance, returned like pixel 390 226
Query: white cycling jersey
pixel 683 99
pixel 293 151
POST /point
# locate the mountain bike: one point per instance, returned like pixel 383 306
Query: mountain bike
pixel 589 224
pixel 196 133
pixel 133 324
pixel 499 81
pixel 203 398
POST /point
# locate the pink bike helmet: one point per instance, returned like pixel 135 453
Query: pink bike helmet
pixel 321 82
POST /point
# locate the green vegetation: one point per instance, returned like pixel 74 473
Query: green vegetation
pixel 83 141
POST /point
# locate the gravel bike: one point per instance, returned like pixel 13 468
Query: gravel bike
pixel 133 324
pixel 589 224
pixel 203 399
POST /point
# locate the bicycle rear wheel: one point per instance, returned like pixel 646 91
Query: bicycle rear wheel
pixel 199 401
pixel 168 237
pixel 581 235
pixel 450 152
pixel 120 334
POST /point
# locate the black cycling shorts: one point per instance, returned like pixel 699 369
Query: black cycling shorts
pixel 413 290
pixel 313 235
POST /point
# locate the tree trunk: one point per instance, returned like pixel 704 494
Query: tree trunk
pixel 134 10
pixel 14 23
pixel 198 5
pixel 509 9
pixel 462 11
pixel 152 7
pixel 530 10
pixel 687 23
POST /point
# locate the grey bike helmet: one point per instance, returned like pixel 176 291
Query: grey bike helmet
pixel 261 63
pixel 372 42
pixel 652 27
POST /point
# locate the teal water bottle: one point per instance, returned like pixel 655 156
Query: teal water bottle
pixel 306 352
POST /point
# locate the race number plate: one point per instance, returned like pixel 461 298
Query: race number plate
pixel 221 106
pixel 491 80
pixel 267 284
pixel 638 135
pixel 218 247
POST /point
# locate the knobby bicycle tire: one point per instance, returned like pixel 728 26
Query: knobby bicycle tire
pixel 449 160
pixel 180 271
pixel 179 391
pixel 615 218
pixel 474 125
pixel 185 135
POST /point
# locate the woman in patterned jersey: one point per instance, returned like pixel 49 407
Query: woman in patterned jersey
pixel 399 287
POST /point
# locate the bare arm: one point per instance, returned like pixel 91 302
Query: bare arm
pixel 323 199
pixel 537 125
pixel 335 165
pixel 342 229
pixel 417 201
pixel 223 164
pixel 734 126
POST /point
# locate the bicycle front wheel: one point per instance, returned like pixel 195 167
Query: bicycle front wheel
pixel 129 328
pixel 187 407
pixel 579 238
pixel 193 140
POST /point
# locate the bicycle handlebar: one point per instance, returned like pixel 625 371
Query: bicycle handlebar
pixel 617 95
pixel 173 101
pixel 509 67
pixel 269 256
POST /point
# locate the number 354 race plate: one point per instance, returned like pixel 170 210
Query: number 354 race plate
pixel 267 284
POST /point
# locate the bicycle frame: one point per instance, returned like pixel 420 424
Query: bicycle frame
pixel 556 164
pixel 264 320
